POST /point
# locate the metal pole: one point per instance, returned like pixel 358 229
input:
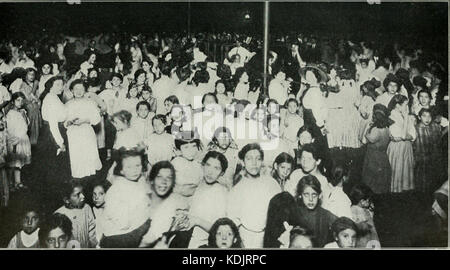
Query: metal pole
pixel 266 43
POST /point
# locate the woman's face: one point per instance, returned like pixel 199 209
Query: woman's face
pixel 141 78
pixel 346 238
pixel 212 170
pixel 143 111
pixel 132 168
pixel 292 107
pixel 146 66
pixel 253 162
pixel 115 82
pixel 18 103
pixel 92 59
pixel 78 90
pixel 220 88
pixel 403 107
pixel 283 170
pixel 310 198
pixel 392 88
pixel 225 237
pixel 57 239
pixel 133 92
pixel 46 69
pixel 30 76
pixel 168 106
pixel 98 196
pixel 163 182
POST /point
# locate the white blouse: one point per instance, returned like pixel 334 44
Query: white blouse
pixel 54 111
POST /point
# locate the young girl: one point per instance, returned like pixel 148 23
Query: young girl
pixel 46 73
pixel 142 123
pixel 427 153
pixel 224 234
pixel 80 214
pixel 282 168
pixel 126 217
pixel 98 206
pixel 344 232
pixel 160 145
pixel 362 215
pixel 82 114
pixel 18 143
pixel 338 202
pixel 28 236
pixel 291 122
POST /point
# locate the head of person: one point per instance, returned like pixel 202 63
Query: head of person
pixel 116 79
pixel 398 103
pixel 169 102
pixel 368 88
pixel 380 117
pixel 272 106
pixel 309 192
pixel 91 57
pixel 209 99
pixel 73 195
pixel 188 144
pixel 133 90
pixel 241 75
pixel 46 69
pixel 177 113
pixel 143 109
pixel 98 193
pixel 252 157
pixel 223 72
pixel 214 166
pixel 183 73
pixel 279 72
pixel 283 166
pixel 146 92
pixel 424 97
pixel 18 99
pixel 162 178
pixel 339 174
pixel 420 83
pixel 222 138
pixel 130 164
pixel 425 116
pixel 221 87
pixel 121 120
pixel 364 62
pixel 304 136
pixel 92 73
pixel 361 195
pixel 292 105
pixel 55 231
pixel 30 75
pixel 392 84
pixel 344 232
pixel 147 65
pixel 78 88
pixel 159 123
pixel 235 58
pixel 301 238
pixel 201 76
pixel 140 76
pixel 310 159
pixel 94 85
pixel 53 85
pixel 224 234
pixel 30 219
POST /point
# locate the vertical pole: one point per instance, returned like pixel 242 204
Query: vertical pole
pixel 266 43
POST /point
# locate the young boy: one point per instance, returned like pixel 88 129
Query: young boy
pixel 28 236
pixel 81 215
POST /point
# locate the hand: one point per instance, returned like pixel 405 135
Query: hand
pixel 285 236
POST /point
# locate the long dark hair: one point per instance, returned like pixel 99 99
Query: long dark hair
pixel 213 231
pixel 48 85
pixel 380 117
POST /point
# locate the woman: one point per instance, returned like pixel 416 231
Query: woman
pixel 400 150
pixel 29 89
pixel 376 169
pixel 242 84
pixel 392 85
pixel 82 114
pixel 369 95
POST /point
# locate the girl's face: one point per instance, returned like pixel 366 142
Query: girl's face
pixel 310 198
pixel 98 196
pixel 189 150
pixel 143 111
pixel 158 126
pixel 168 106
pixel 424 99
pixel 18 103
pixel 30 76
pixel 120 125
pixel 253 162
pixel 141 78
pixel 146 66
pixel 116 82
pixel 220 88
pixel 305 138
pixel 57 239
pixel 46 69
pixel 146 95
pixel 92 59
pixel 292 107
pixel 78 90
pixel 30 222
pixel 133 92
pixel 223 140
pixel 403 107
pixel 163 182
pixel 212 170
pixel 364 65
pixel 283 170
pixel 346 238
pixel 225 237
pixel 132 168
pixel 426 118
pixel 392 88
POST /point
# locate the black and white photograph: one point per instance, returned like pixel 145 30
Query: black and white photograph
pixel 202 125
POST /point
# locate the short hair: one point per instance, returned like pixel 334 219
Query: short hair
pixel 397 99
pixel 216 155
pixel 308 181
pixel 342 224
pixel 159 166
pixel 142 103
pixel 56 220
pixel 424 91
pixel 425 110
pixel 249 147
pixel 101 183
pixel 17 95
pixel 172 99
pixel 75 82
pixel 123 115
pixel 215 227
pixel 223 72
pixel 117 75
pixel 284 158
pixel 291 100
pixel 187 137
pixel 211 95
pixel 124 153
pixel 160 117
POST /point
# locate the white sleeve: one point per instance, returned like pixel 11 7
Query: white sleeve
pixel 12 242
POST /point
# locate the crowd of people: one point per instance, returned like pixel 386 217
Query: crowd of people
pixel 133 140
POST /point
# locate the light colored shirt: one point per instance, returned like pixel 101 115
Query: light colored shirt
pixel 54 111
pixel 278 92
pixel 338 203
pixel 83 225
pixel 28 240
pixel 315 101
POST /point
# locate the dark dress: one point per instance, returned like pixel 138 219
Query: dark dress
pixel 376 171
pixel 318 221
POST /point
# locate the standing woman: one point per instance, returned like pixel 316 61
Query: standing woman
pixel 82 114
pixel 32 103
pixel 400 150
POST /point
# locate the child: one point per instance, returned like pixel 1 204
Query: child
pixel 344 232
pixel 160 145
pixel 168 104
pixel 127 204
pixel 338 202
pixel 113 94
pixel 224 234
pixel 98 205
pixel 28 236
pixel 131 100
pixel 282 168
pixel 362 215
pixel 4 185
pixel 80 214
pixel 291 123
pixel 223 95
pixel 427 153
pixel 55 232
pixel 126 136
pixel 424 98
pixel 300 238
pixel 18 142
pixel 146 95
pixel 142 123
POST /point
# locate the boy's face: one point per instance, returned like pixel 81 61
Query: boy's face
pixel 98 196
pixel 163 182
pixel 76 199
pixel 189 150
pixel 146 95
pixel 30 222
pixel 132 168
pixel 392 88
pixel 143 111
pixel 253 162
pixel 223 140
pixel 346 238
pixel 426 118
pixel 424 99
pixel 292 107
pixel 57 239
pixel 225 237
pixel 310 198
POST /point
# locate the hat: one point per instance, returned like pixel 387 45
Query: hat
pixel 391 78
pixel 321 70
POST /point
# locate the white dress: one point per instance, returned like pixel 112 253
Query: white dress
pixel 17 128
pixel 83 152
